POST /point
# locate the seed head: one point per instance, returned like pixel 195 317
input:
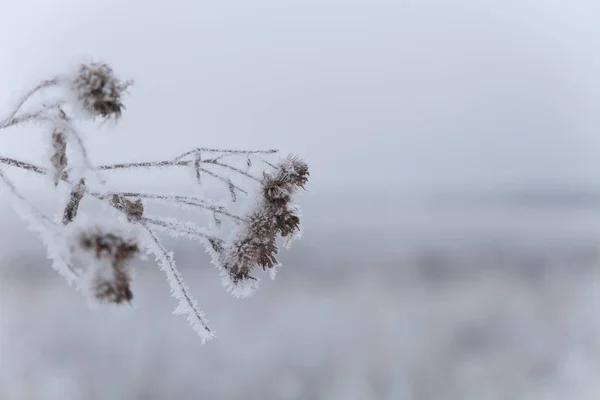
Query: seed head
pixel 99 91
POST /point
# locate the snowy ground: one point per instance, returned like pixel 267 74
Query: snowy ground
pixel 355 314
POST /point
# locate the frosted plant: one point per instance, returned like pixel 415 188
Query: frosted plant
pixel 96 254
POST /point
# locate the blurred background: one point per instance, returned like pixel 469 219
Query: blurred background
pixel 451 226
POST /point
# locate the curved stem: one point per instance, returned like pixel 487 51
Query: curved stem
pixel 27 96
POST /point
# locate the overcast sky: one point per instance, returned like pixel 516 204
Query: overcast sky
pixel 413 93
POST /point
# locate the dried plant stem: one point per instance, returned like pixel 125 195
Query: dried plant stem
pixel 23 165
pixel 144 164
pixel 179 290
pixel 171 163
pixel 32 209
pixel 47 229
pixel 223 151
pixel 231 167
pixel 176 199
pixel 179 228
pixel 24 98
pixel 30 117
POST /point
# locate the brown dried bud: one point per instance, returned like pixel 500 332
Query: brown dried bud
pixel 59 155
pixel 299 176
pixel 114 285
pixel 265 254
pixel 243 259
pixel 133 209
pixel 74 199
pixel 99 91
pixel 276 189
pixel 197 164
pixel 287 222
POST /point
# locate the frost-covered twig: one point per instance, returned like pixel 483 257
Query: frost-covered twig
pixel 179 290
pixel 231 167
pixel 40 115
pixel 170 163
pixel 223 151
pixel 42 85
pixel 106 248
pixel 23 165
pixel 177 229
pixel 49 232
pixel 191 201
pixel 144 164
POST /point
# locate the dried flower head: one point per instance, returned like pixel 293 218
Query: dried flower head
pixel 111 272
pixel 298 171
pixel 291 175
pixel 287 221
pixel 99 91
pixel 273 216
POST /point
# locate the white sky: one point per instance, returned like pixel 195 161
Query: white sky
pixel 411 93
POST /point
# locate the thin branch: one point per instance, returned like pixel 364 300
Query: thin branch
pixel 29 117
pixel 226 180
pixel 41 170
pixel 23 201
pixel 48 230
pixel 59 121
pixel 106 196
pixel 145 164
pixel 187 305
pixel 176 199
pixel 221 151
pixel 170 163
pixel 27 96
pixel 68 127
pixel 231 167
pixel 269 164
pixel 23 165
pixel 180 229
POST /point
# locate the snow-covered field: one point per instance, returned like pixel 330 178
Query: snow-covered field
pixel 505 309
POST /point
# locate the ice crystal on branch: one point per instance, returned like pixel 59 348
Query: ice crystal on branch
pixel 104 252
